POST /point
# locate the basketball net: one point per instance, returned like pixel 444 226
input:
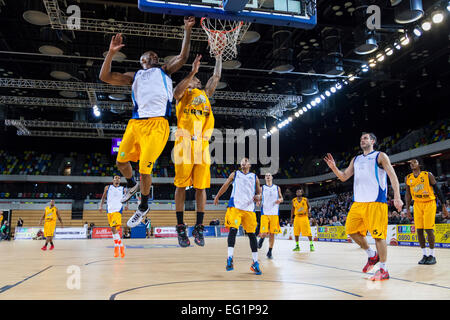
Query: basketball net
pixel 222 37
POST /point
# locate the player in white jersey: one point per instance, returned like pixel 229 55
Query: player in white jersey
pixel 148 131
pixel 270 209
pixel 369 211
pixel 241 209
pixel 113 195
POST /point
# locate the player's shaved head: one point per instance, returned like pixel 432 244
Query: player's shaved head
pixel 149 59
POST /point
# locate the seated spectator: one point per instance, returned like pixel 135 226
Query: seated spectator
pixel 335 222
pixel 4 231
pixel 20 222
pixel 395 218
pixel 127 233
pixel 404 219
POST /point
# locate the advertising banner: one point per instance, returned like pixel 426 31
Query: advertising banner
pixel 163 232
pixel 222 231
pixel 26 233
pixel 332 234
pixel 407 235
pixel 103 233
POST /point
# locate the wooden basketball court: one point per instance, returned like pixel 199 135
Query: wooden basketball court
pixel 160 269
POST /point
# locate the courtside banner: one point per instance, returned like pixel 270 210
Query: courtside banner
pixel 103 233
pixel 407 235
pixel 70 233
pixel 26 233
pixel 332 234
pixel 209 231
pixel 163 232
pixel 222 231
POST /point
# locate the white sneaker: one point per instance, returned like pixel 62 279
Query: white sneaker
pixel 137 217
pixel 130 192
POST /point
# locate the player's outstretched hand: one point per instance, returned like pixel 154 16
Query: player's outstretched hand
pixel 444 211
pixel 216 201
pixel 196 63
pixel 398 203
pixel 330 161
pixel 189 22
pixel 116 43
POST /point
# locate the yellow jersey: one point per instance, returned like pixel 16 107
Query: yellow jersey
pixel 50 214
pixel 194 114
pixel 300 207
pixel 420 187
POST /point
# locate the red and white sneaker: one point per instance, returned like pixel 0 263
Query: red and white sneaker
pixel 44 248
pixel 380 275
pixel 371 262
pixel 52 247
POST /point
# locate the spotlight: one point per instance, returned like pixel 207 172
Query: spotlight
pixel 404 40
pixel 290 119
pixel 437 16
pixel 345 82
pixel 372 63
pixel 297 114
pixel 300 111
pixel 304 109
pixel 448 6
pixel 351 77
pixel 322 96
pixel 280 126
pixel 417 31
pixel 397 45
pixel 274 129
pixel 339 86
pixel 389 51
pixel 365 68
pixel 327 93
pixel 318 100
pixel 96 111
pixel 333 89
pixel 426 25
pixel 308 106
pixel 380 57
pixel 313 103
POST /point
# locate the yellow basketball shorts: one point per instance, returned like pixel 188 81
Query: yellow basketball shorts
pixel 270 224
pixel 368 216
pixel 115 219
pixel 301 225
pixel 49 228
pixel 143 141
pixel 424 214
pixel 234 217
pixel 192 163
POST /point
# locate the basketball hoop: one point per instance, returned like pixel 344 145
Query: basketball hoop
pixel 222 37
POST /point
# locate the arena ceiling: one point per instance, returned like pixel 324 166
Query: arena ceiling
pixel 409 89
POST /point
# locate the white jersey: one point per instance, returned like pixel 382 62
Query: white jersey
pixel 370 182
pixel 244 190
pixel 113 197
pixel 269 196
pixel 152 93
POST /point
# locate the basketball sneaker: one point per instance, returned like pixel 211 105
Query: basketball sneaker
pixel 197 233
pixel 183 239
pixel 122 251
pixel 297 248
pixel 269 255
pixel 371 262
pixel 380 275
pixel 431 260
pixel 229 265
pixel 311 248
pixel 130 192
pixel 423 260
pixel 116 252
pixel 52 247
pixel 260 243
pixel 137 217
pixel 255 268
pixel 44 248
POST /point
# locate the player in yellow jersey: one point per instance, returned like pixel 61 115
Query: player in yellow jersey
pixel 421 187
pixel 195 123
pixel 300 208
pixel 50 215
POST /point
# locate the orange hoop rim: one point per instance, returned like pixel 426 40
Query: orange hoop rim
pixel 219 31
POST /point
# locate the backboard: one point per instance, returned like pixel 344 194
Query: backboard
pixel 291 13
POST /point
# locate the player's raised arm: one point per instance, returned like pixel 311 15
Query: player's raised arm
pixel 387 166
pixel 438 193
pixel 115 78
pixel 177 62
pixel 214 80
pixel 342 175
pixel 183 85
pixel 224 188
